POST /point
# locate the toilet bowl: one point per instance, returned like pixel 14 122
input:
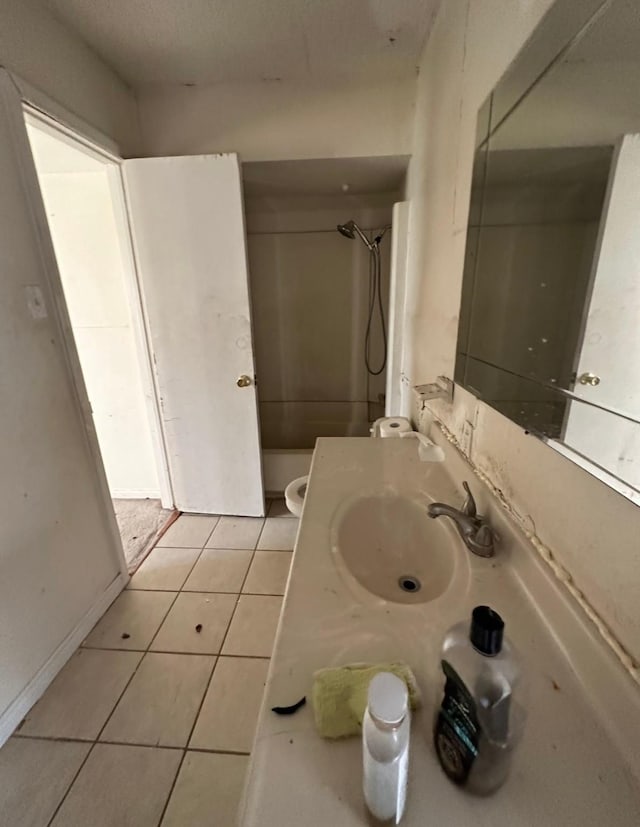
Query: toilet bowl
pixel 294 495
pixel 390 426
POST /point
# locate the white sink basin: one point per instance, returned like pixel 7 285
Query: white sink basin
pixel 364 525
pixel 393 549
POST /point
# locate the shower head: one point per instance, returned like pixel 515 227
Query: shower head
pixel 350 229
pixel 347 229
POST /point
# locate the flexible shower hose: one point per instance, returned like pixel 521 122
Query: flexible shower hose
pixel 375 296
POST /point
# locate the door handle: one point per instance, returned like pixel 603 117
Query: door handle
pixel 589 379
pixel 243 381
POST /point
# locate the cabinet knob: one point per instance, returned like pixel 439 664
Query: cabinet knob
pixel 589 379
pixel 243 381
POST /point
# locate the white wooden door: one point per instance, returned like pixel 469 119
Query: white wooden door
pixel 610 351
pixel 188 232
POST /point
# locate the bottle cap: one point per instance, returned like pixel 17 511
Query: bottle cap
pixel 388 698
pixel 487 628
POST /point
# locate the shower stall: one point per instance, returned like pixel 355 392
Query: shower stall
pixel 320 312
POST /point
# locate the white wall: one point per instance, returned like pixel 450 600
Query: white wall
pixel 43 52
pixel 309 293
pixel 85 237
pixel 61 561
pixel 279 120
pixel 591 530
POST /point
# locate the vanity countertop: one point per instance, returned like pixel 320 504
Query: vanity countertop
pixel 573 766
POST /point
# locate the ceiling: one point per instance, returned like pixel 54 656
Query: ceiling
pixel 325 176
pixel 227 41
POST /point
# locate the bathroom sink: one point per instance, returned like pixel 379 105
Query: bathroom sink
pixel 393 549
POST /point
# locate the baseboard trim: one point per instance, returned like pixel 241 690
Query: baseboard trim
pixel 19 707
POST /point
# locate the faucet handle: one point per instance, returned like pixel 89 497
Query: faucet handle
pixel 469 507
pixel 484 536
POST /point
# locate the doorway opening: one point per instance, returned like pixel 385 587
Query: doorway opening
pixel 82 192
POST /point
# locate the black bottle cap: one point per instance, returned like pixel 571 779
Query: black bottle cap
pixel 486 631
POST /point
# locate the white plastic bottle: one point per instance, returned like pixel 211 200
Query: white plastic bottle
pixel 385 747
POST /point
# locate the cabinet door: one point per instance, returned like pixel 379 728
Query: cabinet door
pixel 188 231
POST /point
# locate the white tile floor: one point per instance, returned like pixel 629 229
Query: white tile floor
pixel 151 721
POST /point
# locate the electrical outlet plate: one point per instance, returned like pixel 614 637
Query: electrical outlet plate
pixel 466 438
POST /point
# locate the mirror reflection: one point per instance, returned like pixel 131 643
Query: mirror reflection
pixel 549 330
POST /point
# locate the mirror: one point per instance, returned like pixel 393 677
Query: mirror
pixel 549 330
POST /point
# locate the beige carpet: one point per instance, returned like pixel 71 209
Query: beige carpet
pixel 140 522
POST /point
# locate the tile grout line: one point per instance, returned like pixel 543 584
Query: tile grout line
pixel 131 588
pixel 175 749
pixel 175 652
pixel 217 751
pixel 88 742
pixel 144 652
pixel 173 783
pixel 96 740
pixel 203 546
pixel 253 557
pixel 233 614
pixel 110 715
pixel 73 781
pixel 211 532
pixel 206 690
pixel 201 591
pixel 195 563
pixel 177 594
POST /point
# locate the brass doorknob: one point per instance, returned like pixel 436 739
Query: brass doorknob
pixel 243 381
pixel 589 379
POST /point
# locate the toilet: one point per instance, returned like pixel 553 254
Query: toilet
pixel 294 495
pixel 390 426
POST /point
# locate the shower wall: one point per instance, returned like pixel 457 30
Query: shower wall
pixel 310 289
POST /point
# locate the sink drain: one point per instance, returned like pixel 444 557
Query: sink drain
pixel 409 584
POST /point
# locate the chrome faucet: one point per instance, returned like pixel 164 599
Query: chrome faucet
pixel 476 533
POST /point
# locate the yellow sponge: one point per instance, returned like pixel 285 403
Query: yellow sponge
pixel 339 695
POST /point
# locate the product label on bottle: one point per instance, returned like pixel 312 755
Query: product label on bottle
pixel 457 731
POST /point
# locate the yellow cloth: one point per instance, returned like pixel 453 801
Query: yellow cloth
pixel 339 695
